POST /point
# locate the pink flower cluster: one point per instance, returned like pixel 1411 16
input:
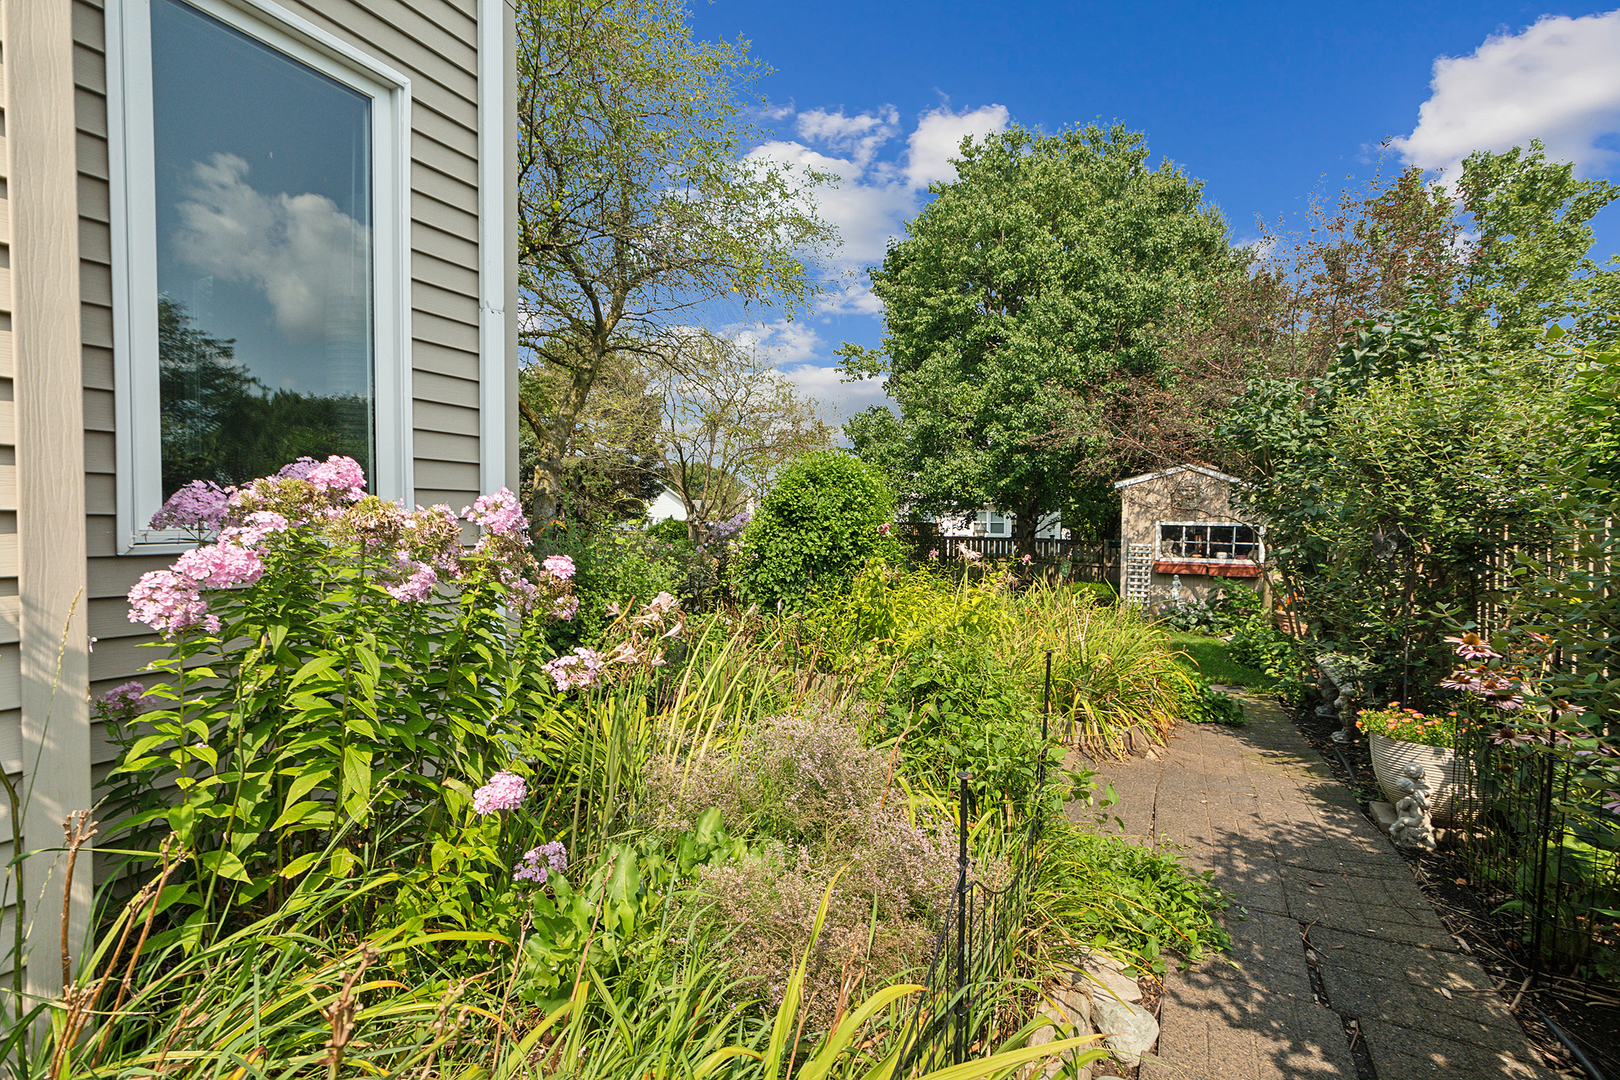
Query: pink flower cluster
pixel 505 791
pixel 539 863
pixel 500 513
pixel 578 670
pixel 125 700
pixel 327 501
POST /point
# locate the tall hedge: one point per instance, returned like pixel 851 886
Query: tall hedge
pixel 827 514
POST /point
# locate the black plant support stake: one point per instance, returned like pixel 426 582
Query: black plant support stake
pixel 964 794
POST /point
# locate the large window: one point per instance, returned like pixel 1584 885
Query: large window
pixel 1207 540
pixel 260 267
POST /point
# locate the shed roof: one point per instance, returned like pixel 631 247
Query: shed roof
pixel 1172 471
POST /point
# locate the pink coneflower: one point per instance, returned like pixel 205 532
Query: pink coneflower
pixel 1473 647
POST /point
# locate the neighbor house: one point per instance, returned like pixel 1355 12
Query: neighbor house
pixel 236 231
pixel 1180 537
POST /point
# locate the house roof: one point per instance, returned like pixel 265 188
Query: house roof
pixel 1172 471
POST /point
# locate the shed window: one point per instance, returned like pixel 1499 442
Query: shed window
pixel 257 253
pixel 1207 540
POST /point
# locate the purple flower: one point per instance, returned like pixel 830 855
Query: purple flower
pixel 300 469
pixel 505 791
pixel 565 607
pixel 500 513
pixel 1613 804
pixel 538 863
pixel 197 505
pixel 1027 559
pixel 560 567
pixel 259 524
pixel 129 697
pixel 725 530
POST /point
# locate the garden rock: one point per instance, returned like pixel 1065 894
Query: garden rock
pixel 1113 982
pixel 1070 1008
pixel 1129 1030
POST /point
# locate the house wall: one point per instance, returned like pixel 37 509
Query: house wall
pixel 435 44
pixel 62 579
pixel 1182 496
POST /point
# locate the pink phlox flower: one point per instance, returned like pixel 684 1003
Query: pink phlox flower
pixel 565 607
pixel 577 670
pixel 339 474
pixel 1473 647
pixel 220 566
pixel 197 505
pixel 416 586
pixel 560 567
pixel 505 791
pixel 257 526
pixel 500 513
pixel 169 602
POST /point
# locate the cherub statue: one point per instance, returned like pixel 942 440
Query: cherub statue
pixel 1340 684
pixel 1412 828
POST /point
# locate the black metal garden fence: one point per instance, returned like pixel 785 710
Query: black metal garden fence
pixel 973 956
pixel 1545 850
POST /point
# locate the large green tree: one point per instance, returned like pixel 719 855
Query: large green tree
pixel 1018 299
pixel 636 206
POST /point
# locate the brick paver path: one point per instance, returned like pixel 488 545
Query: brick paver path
pixel 1336 933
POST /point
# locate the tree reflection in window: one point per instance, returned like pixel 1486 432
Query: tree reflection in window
pixel 222 424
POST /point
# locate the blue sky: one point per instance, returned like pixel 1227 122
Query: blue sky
pixel 1266 104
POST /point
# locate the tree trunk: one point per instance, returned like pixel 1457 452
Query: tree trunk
pixel 1025 521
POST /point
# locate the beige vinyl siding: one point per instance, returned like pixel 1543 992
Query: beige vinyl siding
pixel 434 44
pixel 11 754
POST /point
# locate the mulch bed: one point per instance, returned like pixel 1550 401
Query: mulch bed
pixel 1589 1014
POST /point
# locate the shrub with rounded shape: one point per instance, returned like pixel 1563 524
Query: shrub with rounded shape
pixel 822 520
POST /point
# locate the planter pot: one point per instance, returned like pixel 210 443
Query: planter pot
pixel 1450 800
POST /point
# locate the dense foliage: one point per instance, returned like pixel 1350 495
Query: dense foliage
pixel 825 516
pixel 1017 299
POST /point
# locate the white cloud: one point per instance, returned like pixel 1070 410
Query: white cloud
pixel 784 342
pixel 939 136
pixel 300 249
pixel 843 399
pixel 851 298
pixel 868 199
pixel 860 135
pixel 1557 81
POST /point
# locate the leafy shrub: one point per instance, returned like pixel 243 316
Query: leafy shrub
pixel 614 567
pixel 826 515
pixel 1203 704
pixel 1125 899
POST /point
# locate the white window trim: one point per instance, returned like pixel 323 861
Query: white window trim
pixel 134 247
pixel 1259 542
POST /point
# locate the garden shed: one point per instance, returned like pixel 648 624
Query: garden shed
pixel 1180 537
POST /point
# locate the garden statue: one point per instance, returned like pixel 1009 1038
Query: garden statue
pixel 1412 828
pixel 1175 590
pixel 1340 683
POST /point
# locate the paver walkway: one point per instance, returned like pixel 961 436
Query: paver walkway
pixel 1337 933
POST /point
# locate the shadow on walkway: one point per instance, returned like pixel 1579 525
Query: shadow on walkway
pixel 1337 960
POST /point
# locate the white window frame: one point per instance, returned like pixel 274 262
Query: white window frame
pixel 134 247
pixel 1259 542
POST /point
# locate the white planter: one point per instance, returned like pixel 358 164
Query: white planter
pixel 1450 802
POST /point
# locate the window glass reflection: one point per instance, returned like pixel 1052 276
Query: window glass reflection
pixel 263 184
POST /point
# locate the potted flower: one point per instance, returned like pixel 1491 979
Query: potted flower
pixel 1398 737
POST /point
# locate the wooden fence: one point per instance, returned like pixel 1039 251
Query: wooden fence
pixel 1080 560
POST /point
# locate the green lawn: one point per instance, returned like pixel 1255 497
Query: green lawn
pixel 1211 658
